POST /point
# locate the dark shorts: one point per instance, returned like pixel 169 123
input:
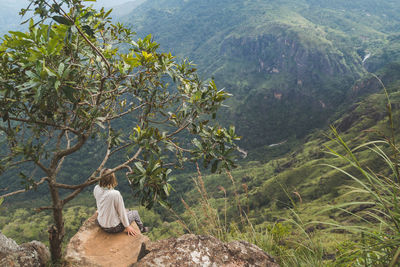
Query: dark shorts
pixel 133 216
pixel 117 229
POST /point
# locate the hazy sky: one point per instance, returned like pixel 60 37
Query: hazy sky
pixel 105 3
pixel 108 3
pixel 12 20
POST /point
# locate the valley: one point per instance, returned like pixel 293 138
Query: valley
pixel 299 72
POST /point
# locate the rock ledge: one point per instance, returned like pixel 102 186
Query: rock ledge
pixel 205 251
pixel 92 247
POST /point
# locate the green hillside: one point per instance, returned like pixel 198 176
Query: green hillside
pixel 268 193
pixel 294 67
pixel 288 194
pixel 289 64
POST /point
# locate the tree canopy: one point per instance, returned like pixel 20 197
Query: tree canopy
pixel 74 77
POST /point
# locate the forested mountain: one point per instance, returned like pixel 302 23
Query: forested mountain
pixel 293 67
pixel 289 64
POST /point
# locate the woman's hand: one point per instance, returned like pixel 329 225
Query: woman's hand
pixel 130 230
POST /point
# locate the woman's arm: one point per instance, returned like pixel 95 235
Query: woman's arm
pixel 120 208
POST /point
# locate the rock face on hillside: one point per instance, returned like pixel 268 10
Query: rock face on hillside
pixel 91 247
pixel 194 250
pixel 28 254
pixel 273 54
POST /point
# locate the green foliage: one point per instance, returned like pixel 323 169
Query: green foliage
pixel 380 246
pixel 287 241
pixel 75 76
pixel 250 47
pixel 25 225
pixel 300 171
pixel 307 52
pixel 67 82
pixel 298 186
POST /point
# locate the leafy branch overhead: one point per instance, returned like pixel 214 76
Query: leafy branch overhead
pixel 75 76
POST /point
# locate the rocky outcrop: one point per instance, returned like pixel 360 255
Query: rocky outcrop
pixel 91 247
pixel 194 250
pixel 28 254
pixel 288 53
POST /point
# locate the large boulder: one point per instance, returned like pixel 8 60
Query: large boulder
pixel 91 247
pixel 28 254
pixel 194 250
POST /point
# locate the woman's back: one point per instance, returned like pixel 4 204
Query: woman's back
pixel 110 207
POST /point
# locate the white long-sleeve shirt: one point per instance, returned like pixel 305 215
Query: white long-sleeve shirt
pixel 110 207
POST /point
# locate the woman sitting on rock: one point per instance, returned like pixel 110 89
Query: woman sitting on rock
pixel 112 215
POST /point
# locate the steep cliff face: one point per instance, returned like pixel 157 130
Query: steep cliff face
pixel 284 53
pixel 284 60
pixel 290 85
pixel 287 72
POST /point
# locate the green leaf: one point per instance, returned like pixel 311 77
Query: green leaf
pixel 89 31
pixel 214 166
pixel 19 34
pixel 61 69
pixel 87 15
pixel 50 72
pixel 141 182
pixel 57 85
pixel 100 124
pixel 139 166
pixel 166 189
pixel 63 20
pixel 197 143
pixel 164 204
pixel 69 92
pixel 48 32
pixel 68 36
pixel 32 75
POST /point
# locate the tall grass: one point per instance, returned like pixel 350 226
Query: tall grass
pixel 378 227
pixel 379 224
pixel 206 218
pixel 287 241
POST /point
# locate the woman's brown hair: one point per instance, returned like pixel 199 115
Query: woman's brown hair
pixel 109 180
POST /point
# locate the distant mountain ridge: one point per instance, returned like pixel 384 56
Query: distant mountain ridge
pixel 290 64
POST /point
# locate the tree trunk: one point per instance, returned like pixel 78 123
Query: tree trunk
pixel 56 231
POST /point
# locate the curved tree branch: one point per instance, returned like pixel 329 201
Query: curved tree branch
pixel 61 127
pixel 41 181
pixel 59 155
